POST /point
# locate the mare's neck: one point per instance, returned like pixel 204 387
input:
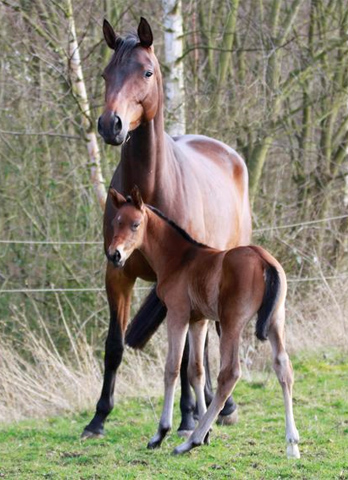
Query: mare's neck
pixel 163 246
pixel 144 158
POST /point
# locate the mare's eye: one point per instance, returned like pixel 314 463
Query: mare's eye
pixel 135 226
pixel 148 74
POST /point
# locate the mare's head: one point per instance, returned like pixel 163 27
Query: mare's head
pixel 133 83
pixel 128 226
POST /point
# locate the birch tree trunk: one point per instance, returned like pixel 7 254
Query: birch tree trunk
pixel 79 88
pixel 174 79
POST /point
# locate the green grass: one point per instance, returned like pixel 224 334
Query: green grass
pixel 253 449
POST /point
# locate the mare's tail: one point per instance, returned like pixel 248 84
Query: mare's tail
pixel 146 321
pixel 269 302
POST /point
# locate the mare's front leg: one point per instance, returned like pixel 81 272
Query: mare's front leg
pixel 177 326
pixel 119 290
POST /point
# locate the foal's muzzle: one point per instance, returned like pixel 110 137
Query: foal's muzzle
pixel 116 259
pixel 110 128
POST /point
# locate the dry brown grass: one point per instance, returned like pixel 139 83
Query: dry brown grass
pixel 36 380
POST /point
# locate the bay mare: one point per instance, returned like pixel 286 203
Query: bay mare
pixel 187 177
pixel 196 282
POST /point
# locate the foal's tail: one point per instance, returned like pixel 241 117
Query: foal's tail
pixel 269 302
pixel 146 321
pixel 275 291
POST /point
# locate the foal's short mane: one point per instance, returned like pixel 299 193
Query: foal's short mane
pixel 180 230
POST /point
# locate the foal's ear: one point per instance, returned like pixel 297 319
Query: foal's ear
pixel 117 199
pixel 136 198
pixel 145 33
pixel 109 34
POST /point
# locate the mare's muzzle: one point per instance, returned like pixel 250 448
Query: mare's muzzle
pixel 110 128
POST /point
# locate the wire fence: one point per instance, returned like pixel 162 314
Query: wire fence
pixel 138 288
pixel 95 242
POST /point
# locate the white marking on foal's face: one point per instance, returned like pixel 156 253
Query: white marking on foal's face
pixel 122 252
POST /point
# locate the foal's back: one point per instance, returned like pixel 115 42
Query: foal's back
pixel 230 282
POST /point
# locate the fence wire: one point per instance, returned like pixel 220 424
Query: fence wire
pixel 102 289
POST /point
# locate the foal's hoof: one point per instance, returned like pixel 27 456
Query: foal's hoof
pixel 231 419
pixel 87 434
pixel 292 451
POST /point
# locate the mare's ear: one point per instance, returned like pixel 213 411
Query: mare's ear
pixel 117 199
pixel 109 34
pixel 136 198
pixel 145 33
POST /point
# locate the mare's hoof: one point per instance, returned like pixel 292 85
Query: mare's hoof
pixel 292 450
pixel 87 434
pixel 231 419
pixel 154 444
pixel 206 440
pixel 184 433
pixel 183 448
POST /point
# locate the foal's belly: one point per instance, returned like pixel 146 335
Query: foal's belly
pixel 204 301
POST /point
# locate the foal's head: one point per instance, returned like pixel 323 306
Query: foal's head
pixel 128 226
pixel 133 83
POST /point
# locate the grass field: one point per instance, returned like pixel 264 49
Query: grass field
pixel 253 449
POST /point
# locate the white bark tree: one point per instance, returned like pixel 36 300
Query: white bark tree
pixel 79 88
pixel 174 81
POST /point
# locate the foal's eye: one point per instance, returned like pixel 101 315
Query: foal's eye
pixel 148 74
pixel 135 226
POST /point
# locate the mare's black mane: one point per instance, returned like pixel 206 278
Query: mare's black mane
pixel 124 46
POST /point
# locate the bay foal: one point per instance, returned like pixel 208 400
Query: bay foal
pixel 196 282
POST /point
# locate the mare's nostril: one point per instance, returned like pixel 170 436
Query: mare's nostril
pixel 100 128
pixel 117 125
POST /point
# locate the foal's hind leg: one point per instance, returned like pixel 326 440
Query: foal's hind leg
pixel 284 371
pixel 229 413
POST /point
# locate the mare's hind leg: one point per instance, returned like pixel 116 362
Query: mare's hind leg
pixel 227 379
pixel 284 371
pixel 119 290
pixel 187 402
pixel 196 373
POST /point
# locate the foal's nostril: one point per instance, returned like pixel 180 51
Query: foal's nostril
pixel 117 256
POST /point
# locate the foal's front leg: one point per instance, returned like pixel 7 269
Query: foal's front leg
pixel 227 379
pixel 177 327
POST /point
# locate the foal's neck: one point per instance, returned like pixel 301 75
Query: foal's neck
pixel 164 247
